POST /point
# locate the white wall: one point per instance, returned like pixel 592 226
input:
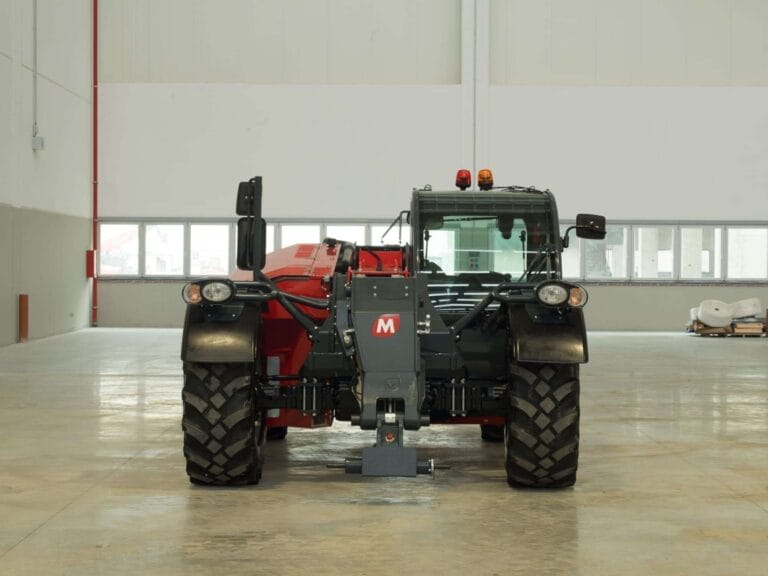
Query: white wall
pixel 670 153
pixel 638 109
pixel 324 151
pixel 45 196
pixel 56 179
pixel 650 109
pixel 342 106
pixel 629 42
pixel 281 42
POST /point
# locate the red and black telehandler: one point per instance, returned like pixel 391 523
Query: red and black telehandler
pixel 470 322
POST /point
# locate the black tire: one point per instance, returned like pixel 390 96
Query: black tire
pixel 491 433
pixel 277 433
pixel 542 430
pixel 222 432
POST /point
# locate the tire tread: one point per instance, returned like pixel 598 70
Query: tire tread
pixel 542 431
pixel 221 439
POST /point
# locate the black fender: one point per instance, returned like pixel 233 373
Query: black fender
pixel 544 335
pixel 221 334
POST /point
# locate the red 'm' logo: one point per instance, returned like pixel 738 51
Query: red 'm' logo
pixel 386 325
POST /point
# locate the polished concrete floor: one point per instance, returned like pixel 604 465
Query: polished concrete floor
pixel 673 476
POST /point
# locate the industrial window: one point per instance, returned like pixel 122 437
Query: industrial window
pixel 209 249
pixel 441 254
pixel 394 236
pixel 747 253
pixel 643 251
pixel 571 258
pixel 299 234
pixel 164 250
pixel 607 259
pixel 119 250
pixel 270 238
pixel 701 252
pixel 347 232
pixel 654 252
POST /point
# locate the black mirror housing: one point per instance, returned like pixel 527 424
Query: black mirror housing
pixel 251 230
pixel 590 226
pixel 249 198
pixel 248 230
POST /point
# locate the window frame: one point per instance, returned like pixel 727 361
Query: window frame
pixel 573 242
pixel 676 252
pixel 320 230
pixel 231 249
pixel 726 246
pixel 630 226
pixel 143 250
pixel 629 256
pixel 140 254
pixel 679 253
pixel 365 225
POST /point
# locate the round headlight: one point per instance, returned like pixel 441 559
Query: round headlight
pixel 552 294
pixel 191 294
pixel 217 292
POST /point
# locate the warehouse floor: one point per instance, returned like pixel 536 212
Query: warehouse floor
pixel 673 476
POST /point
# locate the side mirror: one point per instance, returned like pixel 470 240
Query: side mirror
pixel 249 198
pixel 590 226
pixel 251 230
pixel 248 231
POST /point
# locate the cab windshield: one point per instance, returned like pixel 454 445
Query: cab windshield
pixel 497 248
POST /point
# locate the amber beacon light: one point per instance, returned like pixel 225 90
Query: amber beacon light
pixel 485 179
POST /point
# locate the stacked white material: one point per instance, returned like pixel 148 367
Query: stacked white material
pixel 695 314
pixel 747 309
pixel 717 314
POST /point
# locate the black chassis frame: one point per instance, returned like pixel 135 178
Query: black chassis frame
pixel 456 383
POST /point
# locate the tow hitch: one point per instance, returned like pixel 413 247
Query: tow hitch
pixel 389 457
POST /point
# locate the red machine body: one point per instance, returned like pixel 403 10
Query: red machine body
pixel 305 270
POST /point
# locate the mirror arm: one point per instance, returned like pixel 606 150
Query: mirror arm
pixel 566 240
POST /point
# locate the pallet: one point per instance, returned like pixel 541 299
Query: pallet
pixel 748 328
pixel 702 329
pixel 736 329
